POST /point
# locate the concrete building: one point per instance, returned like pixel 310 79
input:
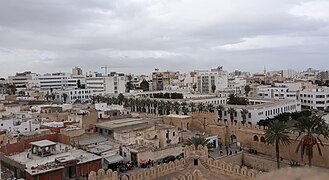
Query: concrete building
pixel 81 95
pixel 163 79
pixel 236 85
pixel 261 109
pixel 323 75
pixel 276 92
pixel 76 71
pixel 19 123
pixel 50 160
pixel 21 80
pixel 114 84
pixel 56 81
pixel 215 77
pixel 317 98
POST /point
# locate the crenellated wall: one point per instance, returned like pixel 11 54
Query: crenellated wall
pixel 201 153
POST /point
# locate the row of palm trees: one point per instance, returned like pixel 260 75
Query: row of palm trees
pixel 166 107
pixel 310 129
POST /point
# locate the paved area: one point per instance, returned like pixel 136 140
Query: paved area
pixel 221 152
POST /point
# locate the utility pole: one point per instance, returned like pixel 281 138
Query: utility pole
pixel 105 68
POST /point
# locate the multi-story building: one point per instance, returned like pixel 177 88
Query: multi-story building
pixel 217 78
pixel 76 71
pixel 323 75
pixel 317 98
pixel 57 81
pixel 81 95
pixel 260 109
pixel 113 84
pixel 236 84
pixel 163 79
pixel 21 80
pixel 276 92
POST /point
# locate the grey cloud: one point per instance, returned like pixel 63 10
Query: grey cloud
pixel 187 33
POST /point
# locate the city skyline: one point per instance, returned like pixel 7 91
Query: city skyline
pixel 138 36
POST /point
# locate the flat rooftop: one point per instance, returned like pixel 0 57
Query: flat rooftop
pixel 43 143
pixel 178 116
pixel 38 165
pixel 122 124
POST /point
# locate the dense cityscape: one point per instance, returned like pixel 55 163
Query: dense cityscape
pixel 164 90
pixel 164 125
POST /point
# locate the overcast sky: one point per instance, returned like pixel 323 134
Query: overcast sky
pixel 140 35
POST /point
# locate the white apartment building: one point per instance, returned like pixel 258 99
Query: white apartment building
pixel 262 109
pixel 108 85
pixel 317 98
pixel 82 95
pixel 206 79
pixel 56 81
pixel 276 92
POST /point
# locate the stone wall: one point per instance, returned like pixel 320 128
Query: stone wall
pixel 261 163
pixel 214 166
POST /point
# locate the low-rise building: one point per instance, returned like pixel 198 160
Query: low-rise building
pixel 50 160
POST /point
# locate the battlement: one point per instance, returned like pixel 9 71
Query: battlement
pixel 213 166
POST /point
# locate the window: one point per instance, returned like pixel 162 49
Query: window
pixel 167 135
pixel 1 124
pixel 173 134
pixel 256 138
pixel 196 162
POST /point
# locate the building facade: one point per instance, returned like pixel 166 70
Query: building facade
pixel 317 98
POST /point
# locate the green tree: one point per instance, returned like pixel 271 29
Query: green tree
pixel 213 88
pixel 145 85
pixel 275 135
pixel 201 107
pixel 244 113
pixel 192 107
pixel 196 141
pixel 232 112
pixel 220 109
pixel 310 129
pixel 176 107
pixel 235 100
pixel 129 86
pixel 168 107
pixel 185 110
pixel 210 108
pixel 247 89
pixel 121 97
pixel 64 95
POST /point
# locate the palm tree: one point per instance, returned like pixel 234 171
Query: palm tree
pixel 310 129
pixel 121 97
pixel 201 107
pixel 275 135
pixel 220 110
pixel 161 107
pixel 176 107
pixel 244 113
pixel 192 106
pixel 210 108
pixel 196 141
pixel 232 112
pixel 148 103
pixel 185 110
pixel 168 107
